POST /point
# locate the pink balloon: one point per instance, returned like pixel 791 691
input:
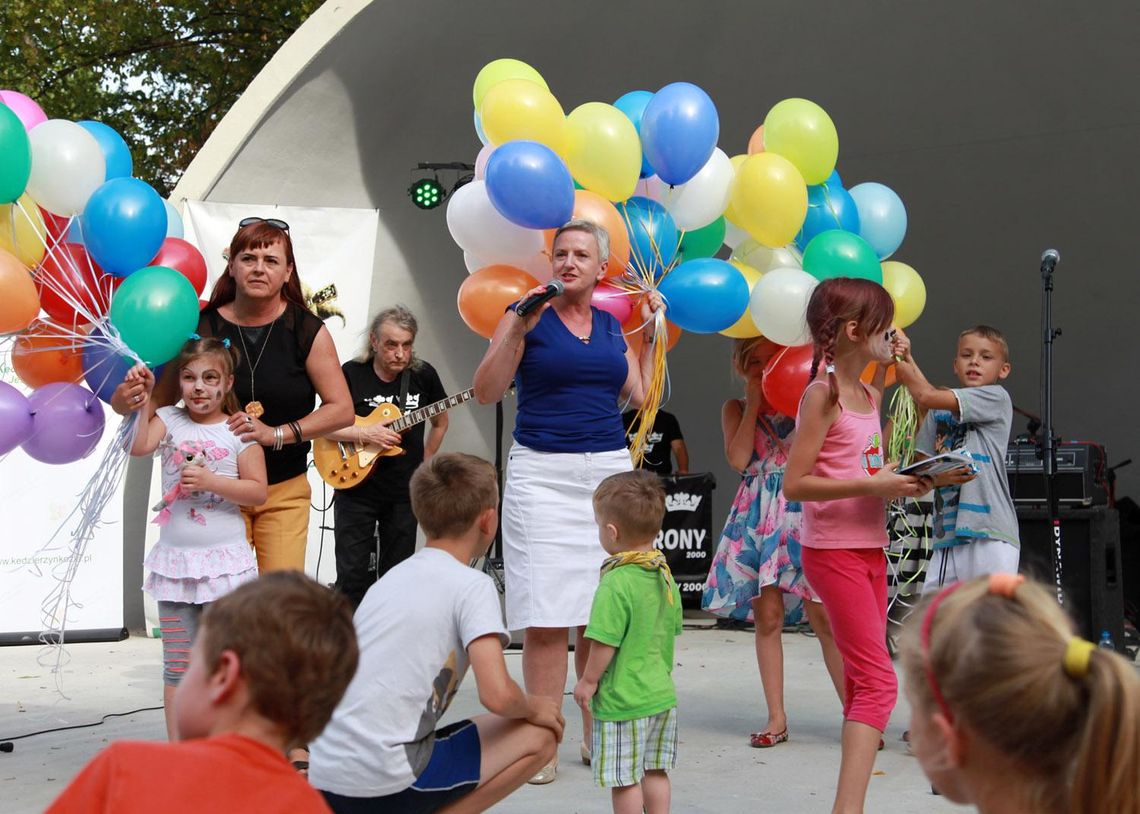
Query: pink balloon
pixel 481 161
pixel 25 107
pixel 614 300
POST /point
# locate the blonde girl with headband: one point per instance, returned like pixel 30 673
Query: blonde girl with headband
pixel 208 474
pixel 1012 713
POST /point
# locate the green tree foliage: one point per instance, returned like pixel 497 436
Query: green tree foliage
pixel 161 72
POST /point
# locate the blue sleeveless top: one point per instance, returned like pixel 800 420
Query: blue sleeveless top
pixel 568 390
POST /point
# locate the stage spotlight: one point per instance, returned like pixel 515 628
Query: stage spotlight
pixel 430 192
pixel 427 193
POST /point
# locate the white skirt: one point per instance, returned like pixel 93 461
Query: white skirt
pixel 551 552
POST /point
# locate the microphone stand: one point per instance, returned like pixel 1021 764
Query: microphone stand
pixel 1048 447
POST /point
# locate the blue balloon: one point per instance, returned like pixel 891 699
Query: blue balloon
pixel 830 206
pixel 115 150
pixel 633 105
pixel 103 368
pixel 705 295
pixel 173 221
pixel 679 130
pixel 882 217
pixel 653 237
pixel 124 224
pixel 529 185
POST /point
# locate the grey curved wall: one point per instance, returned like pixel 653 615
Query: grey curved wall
pixel 1006 128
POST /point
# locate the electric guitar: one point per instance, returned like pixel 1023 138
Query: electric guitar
pixel 345 464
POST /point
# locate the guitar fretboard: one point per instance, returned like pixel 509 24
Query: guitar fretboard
pixel 424 413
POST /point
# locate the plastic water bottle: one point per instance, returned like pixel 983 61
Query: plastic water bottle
pixel 1105 642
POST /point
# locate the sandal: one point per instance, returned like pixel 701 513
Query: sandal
pixel 584 752
pixel 546 774
pixel 766 740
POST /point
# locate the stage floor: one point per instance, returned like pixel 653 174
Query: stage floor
pixel 720 702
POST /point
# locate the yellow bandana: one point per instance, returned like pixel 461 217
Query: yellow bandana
pixel 649 560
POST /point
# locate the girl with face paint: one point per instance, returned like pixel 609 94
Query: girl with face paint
pixel 208 474
pixel 837 471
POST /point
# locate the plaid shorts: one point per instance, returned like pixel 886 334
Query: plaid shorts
pixel 623 751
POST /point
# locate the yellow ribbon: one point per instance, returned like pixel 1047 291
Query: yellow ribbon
pixel 649 560
pixel 1077 655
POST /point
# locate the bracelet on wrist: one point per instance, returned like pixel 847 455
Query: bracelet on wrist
pixel 278 438
pixel 296 428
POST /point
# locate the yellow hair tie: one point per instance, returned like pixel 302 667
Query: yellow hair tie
pixel 1077 656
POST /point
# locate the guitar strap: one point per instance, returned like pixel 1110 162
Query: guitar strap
pixel 405 380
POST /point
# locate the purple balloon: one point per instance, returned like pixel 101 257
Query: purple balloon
pixel 67 423
pixel 15 418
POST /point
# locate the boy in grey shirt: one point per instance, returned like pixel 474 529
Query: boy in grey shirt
pixel 975 524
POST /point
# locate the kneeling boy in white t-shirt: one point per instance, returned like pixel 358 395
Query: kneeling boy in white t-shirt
pixel 419 628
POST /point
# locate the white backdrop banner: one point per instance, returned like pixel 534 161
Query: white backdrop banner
pixel 38 499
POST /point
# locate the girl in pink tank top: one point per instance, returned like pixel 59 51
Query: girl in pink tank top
pixel 837 470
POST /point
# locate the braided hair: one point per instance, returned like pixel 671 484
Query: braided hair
pixel 836 302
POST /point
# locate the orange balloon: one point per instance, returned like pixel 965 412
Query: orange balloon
pixel 486 293
pixel 593 207
pixel 19 302
pixel 868 374
pixel 635 339
pixel 47 352
pixel 756 141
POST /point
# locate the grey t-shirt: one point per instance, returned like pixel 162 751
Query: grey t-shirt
pixel 981 509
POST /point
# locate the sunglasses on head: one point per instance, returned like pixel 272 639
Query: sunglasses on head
pixel 280 224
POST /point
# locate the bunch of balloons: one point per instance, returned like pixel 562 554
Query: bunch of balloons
pixel 648 169
pixel 94 276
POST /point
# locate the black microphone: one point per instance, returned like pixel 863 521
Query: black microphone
pixel 1048 260
pixel 549 292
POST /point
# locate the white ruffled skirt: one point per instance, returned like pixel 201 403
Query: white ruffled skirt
pixel 198 575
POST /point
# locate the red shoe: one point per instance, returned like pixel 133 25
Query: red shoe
pixel 765 740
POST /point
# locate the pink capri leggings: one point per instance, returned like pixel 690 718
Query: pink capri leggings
pixel 852 582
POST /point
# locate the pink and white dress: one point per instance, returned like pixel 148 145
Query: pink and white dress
pixel 202 552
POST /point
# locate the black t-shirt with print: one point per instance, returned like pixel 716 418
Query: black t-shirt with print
pixel 659 444
pixel 390 479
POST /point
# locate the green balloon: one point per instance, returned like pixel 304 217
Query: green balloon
pixel 703 242
pixel 839 253
pixel 155 310
pixel 15 156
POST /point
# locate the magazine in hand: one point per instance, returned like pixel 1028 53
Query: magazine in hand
pixel 938 464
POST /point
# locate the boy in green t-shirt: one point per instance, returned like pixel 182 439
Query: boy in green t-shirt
pixel 628 680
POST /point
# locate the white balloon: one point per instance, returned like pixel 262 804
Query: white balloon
pixel 473 263
pixel 779 305
pixel 733 235
pixel 174 226
pixel 67 166
pixel 764 259
pixel 479 229
pixel 702 199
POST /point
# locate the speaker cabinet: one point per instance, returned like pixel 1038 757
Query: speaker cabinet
pixel 1091 573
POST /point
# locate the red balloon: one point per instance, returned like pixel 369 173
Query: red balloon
pixel 786 378
pixel 184 258
pixel 67 277
pixel 56 226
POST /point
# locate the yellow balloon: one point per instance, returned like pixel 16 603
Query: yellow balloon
pixel 499 70
pixel 603 150
pixel 744 328
pixel 22 232
pixel 769 198
pixel 729 211
pixel 517 109
pixel 906 288
pixel 802 132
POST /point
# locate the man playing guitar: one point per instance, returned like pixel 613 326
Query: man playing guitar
pixel 379 507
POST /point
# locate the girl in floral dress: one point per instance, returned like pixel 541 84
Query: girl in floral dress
pixel 755 574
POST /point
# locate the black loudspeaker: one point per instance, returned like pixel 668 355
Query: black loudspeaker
pixel 1091 572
